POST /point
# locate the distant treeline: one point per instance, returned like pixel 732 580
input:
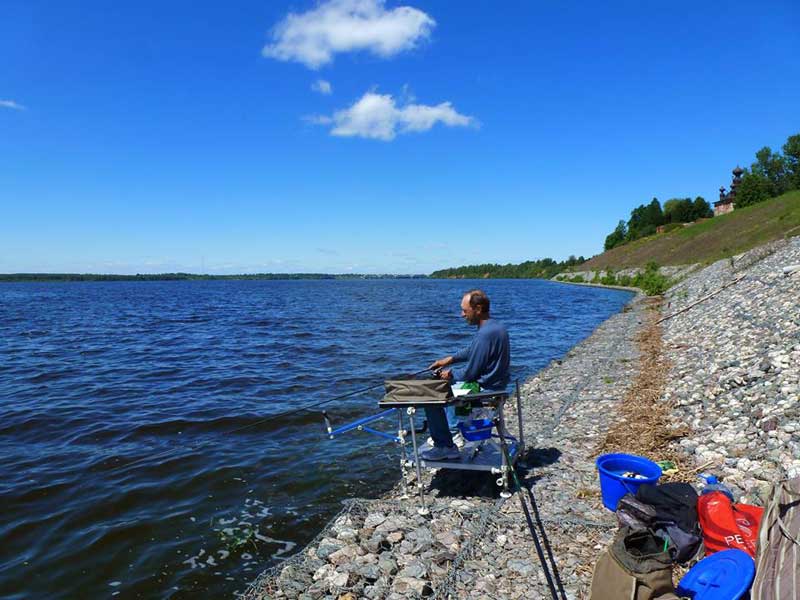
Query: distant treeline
pixel 771 175
pixel 545 268
pixel 190 276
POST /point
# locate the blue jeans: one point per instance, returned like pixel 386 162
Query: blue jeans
pixel 439 427
pixel 452 419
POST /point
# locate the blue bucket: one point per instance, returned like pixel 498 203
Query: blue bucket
pixel 613 485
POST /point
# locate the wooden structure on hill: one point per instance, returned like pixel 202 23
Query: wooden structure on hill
pixel 727 202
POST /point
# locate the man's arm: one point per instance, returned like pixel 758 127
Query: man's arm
pixel 462 354
pixel 476 365
pixel 442 362
pixel 459 356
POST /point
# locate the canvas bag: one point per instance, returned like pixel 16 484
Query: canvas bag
pixel 635 567
pixel 728 525
pixel 778 556
pixel 417 390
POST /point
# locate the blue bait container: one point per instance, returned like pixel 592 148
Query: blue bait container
pixel 476 430
pixel 613 485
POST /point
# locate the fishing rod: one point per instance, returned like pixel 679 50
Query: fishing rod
pixel 316 404
pixel 553 577
pixel 281 415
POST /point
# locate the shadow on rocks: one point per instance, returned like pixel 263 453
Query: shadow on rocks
pixel 536 458
pixel 452 483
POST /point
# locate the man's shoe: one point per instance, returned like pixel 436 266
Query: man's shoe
pixel 438 453
pixel 458 440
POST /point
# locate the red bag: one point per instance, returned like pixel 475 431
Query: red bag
pixel 728 525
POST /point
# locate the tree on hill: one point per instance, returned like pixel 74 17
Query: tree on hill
pixel 644 220
pixel 679 210
pixel 772 174
pixel 771 166
pixel 684 210
pixel 616 237
pixel 791 157
pixel 753 189
pixel 701 209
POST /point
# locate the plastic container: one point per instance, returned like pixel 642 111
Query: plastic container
pixel 614 485
pixel 476 429
pixel 725 575
pixel 713 485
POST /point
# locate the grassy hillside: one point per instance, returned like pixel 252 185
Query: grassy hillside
pixel 710 240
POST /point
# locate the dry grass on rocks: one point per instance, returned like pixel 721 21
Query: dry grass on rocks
pixel 644 426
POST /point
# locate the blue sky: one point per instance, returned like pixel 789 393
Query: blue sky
pixel 371 137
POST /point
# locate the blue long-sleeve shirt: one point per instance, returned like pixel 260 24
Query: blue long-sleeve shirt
pixel 488 357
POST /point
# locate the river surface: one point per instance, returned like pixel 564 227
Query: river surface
pixel 135 463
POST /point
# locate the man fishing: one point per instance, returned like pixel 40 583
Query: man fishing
pixel 487 361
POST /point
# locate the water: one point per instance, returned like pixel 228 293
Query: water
pixel 119 474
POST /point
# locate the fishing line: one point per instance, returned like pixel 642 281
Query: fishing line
pixel 315 404
pixel 306 407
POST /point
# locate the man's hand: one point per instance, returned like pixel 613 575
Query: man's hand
pixel 442 362
pixel 445 374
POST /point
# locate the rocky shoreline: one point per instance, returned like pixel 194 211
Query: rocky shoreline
pixel 733 380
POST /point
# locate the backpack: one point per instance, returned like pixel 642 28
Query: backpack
pixel 728 525
pixel 635 567
pixel 778 556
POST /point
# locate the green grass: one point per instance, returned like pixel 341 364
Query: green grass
pixel 712 240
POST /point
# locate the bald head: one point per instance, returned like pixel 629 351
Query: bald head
pixel 475 307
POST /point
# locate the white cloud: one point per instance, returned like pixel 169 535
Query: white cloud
pixel 11 104
pixel 314 37
pixel 377 116
pixel 323 87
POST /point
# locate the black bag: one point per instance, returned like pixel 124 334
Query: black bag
pixel 633 513
pixel 417 391
pixel 673 516
pixel 674 502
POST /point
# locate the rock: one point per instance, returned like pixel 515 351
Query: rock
pixel 408 585
pixel 373 520
pixel 369 571
pixel 344 555
pixel 421 539
pixel 338 579
pixel 521 567
pixel 328 546
pixel 347 534
pixel 387 565
pixel 769 424
pixel 415 569
pixel 394 537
